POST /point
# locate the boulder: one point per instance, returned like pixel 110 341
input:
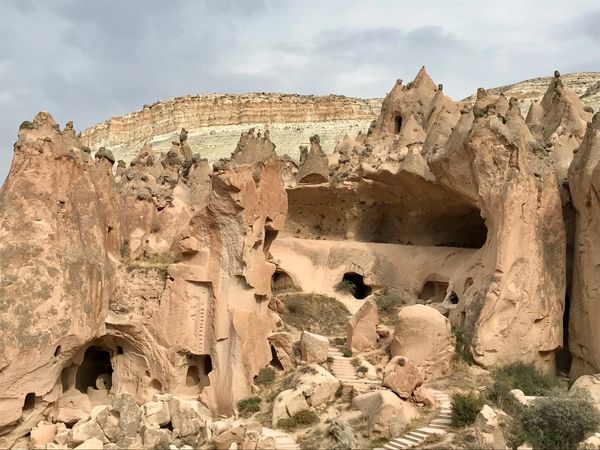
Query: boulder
pixel 318 385
pixel 156 414
pixel 424 336
pixel 362 327
pixel 424 396
pixel 589 386
pixel 489 425
pixel 91 444
pixel 402 376
pixel 42 434
pixel 287 404
pixel 129 414
pixel 283 344
pixel 386 413
pixel 85 430
pixel 313 347
pixel 70 415
pixel 156 437
pixel 188 416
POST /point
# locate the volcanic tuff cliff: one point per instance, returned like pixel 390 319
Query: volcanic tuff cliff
pixel 162 283
pixel 216 121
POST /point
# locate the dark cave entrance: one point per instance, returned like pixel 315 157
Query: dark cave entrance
pixel 356 284
pixel 95 370
pixel 197 373
pixel 275 359
pixel 281 281
pixel 397 124
pixel 434 291
pixel 29 402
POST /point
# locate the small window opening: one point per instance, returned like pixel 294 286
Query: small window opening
pixel 453 298
pixel 119 350
pixel 57 351
pixel 397 124
pixel 355 284
pixel 29 402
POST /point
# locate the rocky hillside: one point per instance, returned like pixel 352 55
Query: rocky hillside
pixel 216 121
pixel 585 84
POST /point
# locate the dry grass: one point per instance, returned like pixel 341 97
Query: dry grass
pixel 315 313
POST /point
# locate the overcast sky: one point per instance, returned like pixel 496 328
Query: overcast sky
pixel 88 60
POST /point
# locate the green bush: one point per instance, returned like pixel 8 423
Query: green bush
pixel 347 352
pixel 558 423
pixel 463 344
pixel 300 419
pixel 265 375
pixel 362 369
pixel 465 408
pixel 248 406
pixel 346 286
pixel 387 306
pixel 525 377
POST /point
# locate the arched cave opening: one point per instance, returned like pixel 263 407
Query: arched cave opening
pixel 95 371
pixel 356 285
pixel 434 291
pixel 281 281
pixel 275 359
pixel 197 373
pixel 29 402
pixel 397 124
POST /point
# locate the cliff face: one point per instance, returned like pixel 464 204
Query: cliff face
pixel 216 121
pixel 585 84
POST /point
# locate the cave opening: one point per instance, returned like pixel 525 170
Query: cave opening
pixel 197 372
pixel 95 370
pixel 281 281
pixel 275 359
pixel 356 285
pixel 397 124
pixel 434 291
pixel 29 402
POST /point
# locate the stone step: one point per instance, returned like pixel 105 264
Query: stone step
pixel 403 441
pixel 441 422
pixel 393 446
pixel 432 430
pixel 419 434
pixel 412 438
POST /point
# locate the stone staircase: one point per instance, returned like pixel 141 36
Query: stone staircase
pixel 283 441
pixel 344 371
pixel 438 425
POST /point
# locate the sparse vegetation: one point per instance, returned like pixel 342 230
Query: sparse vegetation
pixel 152 262
pixel 387 305
pixel 355 361
pixel 346 286
pixel 347 352
pixel 248 406
pixel 266 375
pixel 465 408
pixel 525 377
pixel 362 369
pixel 315 313
pixel 463 344
pixel 300 419
pixel 556 423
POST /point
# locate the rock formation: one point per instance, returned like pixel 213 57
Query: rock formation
pixel 144 287
pixel 584 179
pixel 121 290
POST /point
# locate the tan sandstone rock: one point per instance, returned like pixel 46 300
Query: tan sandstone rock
pixel 362 327
pixel 385 412
pixel 424 336
pixel 402 376
pixel 313 347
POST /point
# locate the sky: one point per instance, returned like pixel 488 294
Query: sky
pixel 88 60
